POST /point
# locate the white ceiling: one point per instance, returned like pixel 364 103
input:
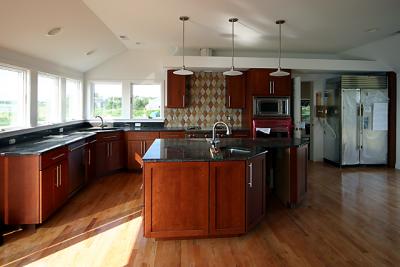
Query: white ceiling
pixel 24 24
pixel 313 26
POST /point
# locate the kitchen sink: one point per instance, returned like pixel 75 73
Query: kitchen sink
pixel 94 129
pixel 58 136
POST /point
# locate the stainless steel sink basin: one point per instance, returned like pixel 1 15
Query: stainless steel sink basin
pixel 94 129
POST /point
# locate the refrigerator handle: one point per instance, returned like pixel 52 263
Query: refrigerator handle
pixel 358 136
pixel 362 125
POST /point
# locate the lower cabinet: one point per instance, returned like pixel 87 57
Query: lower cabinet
pixel 227 198
pixel 137 145
pixel 55 188
pixel 203 199
pixel 176 201
pixel 256 190
pixel 109 153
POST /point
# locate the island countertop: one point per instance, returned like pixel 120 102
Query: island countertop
pixel 179 150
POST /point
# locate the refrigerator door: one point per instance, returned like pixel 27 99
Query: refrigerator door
pixel 350 153
pixel 374 126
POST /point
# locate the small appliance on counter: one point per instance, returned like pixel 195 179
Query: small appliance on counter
pixel 272 127
pixel 271 107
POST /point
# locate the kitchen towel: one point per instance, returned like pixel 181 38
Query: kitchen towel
pixel 264 130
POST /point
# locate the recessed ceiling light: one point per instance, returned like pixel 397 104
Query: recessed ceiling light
pixel 123 37
pixel 138 43
pixel 54 31
pixel 372 30
pixel 88 53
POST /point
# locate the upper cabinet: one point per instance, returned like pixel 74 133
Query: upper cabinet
pixel 176 90
pixel 235 91
pixel 261 83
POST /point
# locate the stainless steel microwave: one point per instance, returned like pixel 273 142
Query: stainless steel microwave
pixel 271 106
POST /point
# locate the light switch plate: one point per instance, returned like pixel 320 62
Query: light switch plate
pixel 138 124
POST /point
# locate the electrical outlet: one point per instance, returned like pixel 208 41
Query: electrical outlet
pixel 61 130
pixel 11 141
pixel 138 124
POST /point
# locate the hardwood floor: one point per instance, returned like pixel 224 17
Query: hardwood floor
pixel 350 217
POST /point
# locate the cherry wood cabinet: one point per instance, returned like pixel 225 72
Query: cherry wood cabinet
pixel 240 134
pixel 227 198
pixel 137 145
pixel 109 152
pixel 256 189
pixel 176 201
pixel 260 83
pixel 235 88
pixel 172 134
pixel 177 85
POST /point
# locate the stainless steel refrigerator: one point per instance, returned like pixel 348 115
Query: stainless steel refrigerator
pixel 356 123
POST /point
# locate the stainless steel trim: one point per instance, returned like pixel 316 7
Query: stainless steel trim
pixel 251 175
pixel 60 174
pixel 78 147
pixel 57 157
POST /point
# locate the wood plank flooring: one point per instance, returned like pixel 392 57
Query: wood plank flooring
pixel 350 217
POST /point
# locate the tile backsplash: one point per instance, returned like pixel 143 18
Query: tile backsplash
pixel 206 105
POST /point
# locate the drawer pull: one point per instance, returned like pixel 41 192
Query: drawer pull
pixel 57 157
pixel 78 147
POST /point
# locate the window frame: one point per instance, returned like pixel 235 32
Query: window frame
pixel 91 100
pixel 25 98
pixel 60 99
pixel 81 95
pixel 162 96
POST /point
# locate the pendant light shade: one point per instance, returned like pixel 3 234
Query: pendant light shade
pixel 279 72
pixel 183 70
pixel 232 71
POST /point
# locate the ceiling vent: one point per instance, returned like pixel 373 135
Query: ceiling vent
pixel 206 52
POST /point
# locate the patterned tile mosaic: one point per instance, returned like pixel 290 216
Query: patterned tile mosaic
pixel 206 104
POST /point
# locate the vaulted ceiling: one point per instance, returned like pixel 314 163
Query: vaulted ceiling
pixel 313 26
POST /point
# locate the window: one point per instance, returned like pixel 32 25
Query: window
pixel 146 101
pixel 107 101
pixel 13 100
pixel 48 99
pixel 73 100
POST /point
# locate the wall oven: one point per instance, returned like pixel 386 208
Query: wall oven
pixel 271 106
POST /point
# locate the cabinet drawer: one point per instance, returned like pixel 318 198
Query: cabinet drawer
pixel 53 156
pixel 142 135
pixel 172 134
pixel 105 137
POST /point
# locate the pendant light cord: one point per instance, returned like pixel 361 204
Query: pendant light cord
pixel 280 45
pixel 183 44
pixel 233 42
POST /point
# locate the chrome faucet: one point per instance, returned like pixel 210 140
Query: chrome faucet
pixel 214 139
pixel 102 121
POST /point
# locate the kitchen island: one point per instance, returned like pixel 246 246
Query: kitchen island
pixel 191 192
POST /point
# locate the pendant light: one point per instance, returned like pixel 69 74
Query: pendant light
pixel 232 71
pixel 183 70
pixel 279 72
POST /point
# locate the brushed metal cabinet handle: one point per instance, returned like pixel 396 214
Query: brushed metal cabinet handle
pixel 89 156
pixel 229 101
pixel 183 100
pixel 57 157
pixel 251 175
pixel 60 176
pixel 57 176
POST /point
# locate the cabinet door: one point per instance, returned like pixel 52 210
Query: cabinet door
pixel 115 155
pixel 298 174
pixel 90 162
pixel 62 189
pixel 258 82
pixel 101 158
pixel 255 191
pixel 227 197
pixel 176 90
pixel 282 86
pixel 49 182
pixel 135 149
pixel 235 91
pixel 176 201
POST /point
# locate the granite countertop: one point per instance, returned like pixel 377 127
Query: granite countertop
pixel 176 150
pixel 43 144
pixel 36 147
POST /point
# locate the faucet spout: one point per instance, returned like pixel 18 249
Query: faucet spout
pixel 214 139
pixel 102 121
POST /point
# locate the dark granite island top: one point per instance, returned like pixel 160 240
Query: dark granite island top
pixel 180 150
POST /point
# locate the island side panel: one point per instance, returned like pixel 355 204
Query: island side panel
pixel 227 197
pixel 176 199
